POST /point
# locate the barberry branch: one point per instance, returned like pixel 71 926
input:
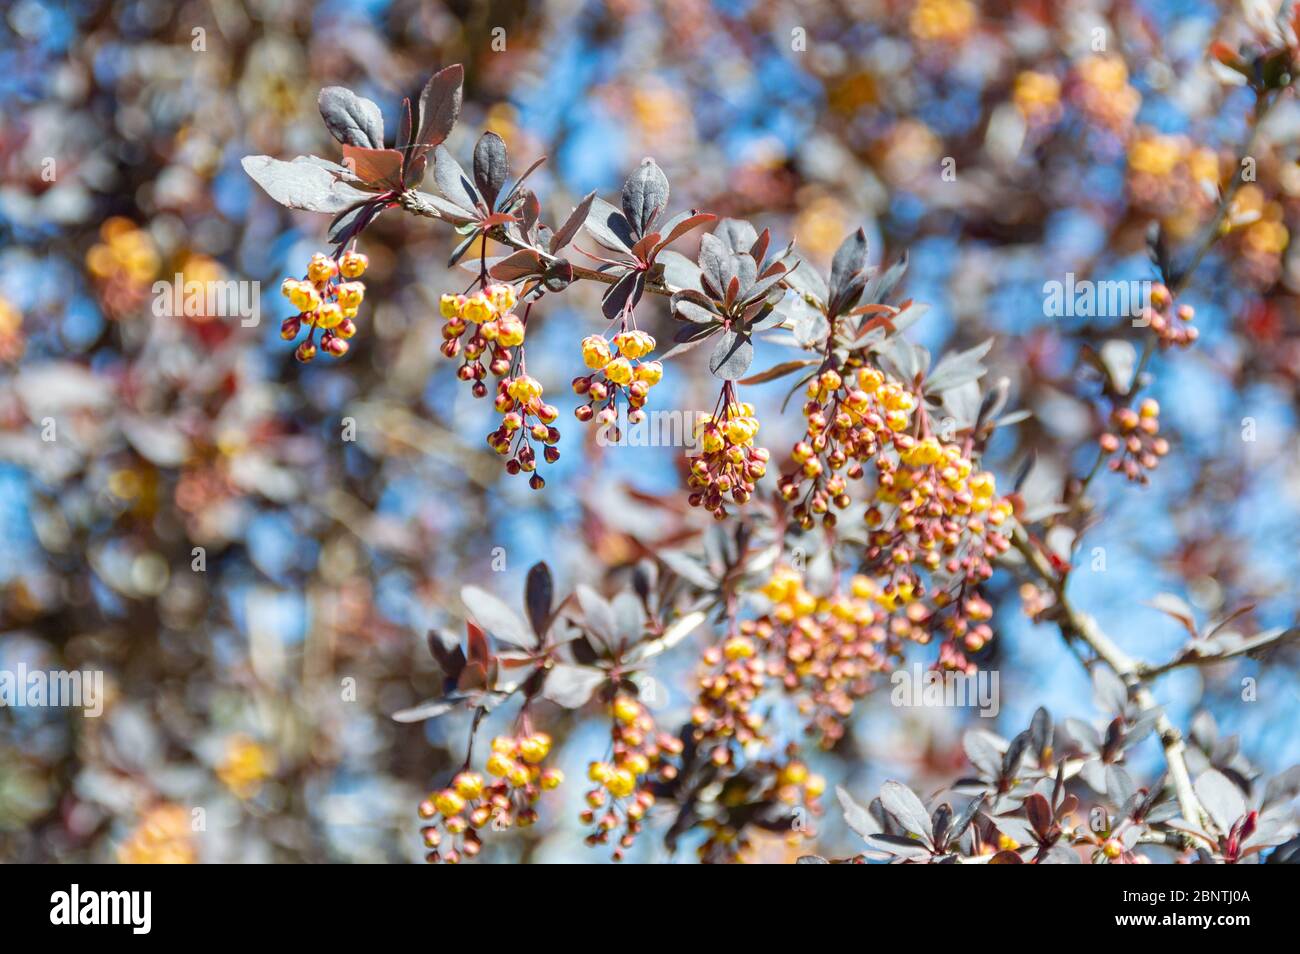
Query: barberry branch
pixel 413 202
pixel 1264 102
pixel 1074 623
pixel 1193 656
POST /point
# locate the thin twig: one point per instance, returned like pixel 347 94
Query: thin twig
pixel 1193 657
pixel 1076 624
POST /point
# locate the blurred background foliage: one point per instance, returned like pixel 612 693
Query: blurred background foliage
pixel 259 687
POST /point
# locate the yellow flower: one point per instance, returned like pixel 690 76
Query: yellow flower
pixel 525 389
pixel 449 803
pixel 478 309
pixel 321 268
pixel 738 647
pixel 329 315
pixel 350 294
pixel 304 297
pixel 503 297
pixel 621 784
pixel 510 331
pixel 163 837
pixel 534 748
pixel 619 370
pixel 245 766
pixel 353 264
pixel 651 372
pixel 634 344
pixel 469 785
pixel 595 352
pixel 739 431
pixel 626 710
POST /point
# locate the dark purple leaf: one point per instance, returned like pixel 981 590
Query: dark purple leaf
pixel 381 167
pixel 645 195
pixel 732 355
pixel 565 233
pixel 608 226
pixel 491 166
pixel 452 181
pixel 850 259
pixel 496 617
pixel 351 119
pixel 303 184
pixel 902 803
pixel 440 105
pixel 539 593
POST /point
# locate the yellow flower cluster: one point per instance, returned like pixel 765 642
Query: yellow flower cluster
pixel 825 650
pixel 1135 434
pixel 12 343
pixel 850 416
pixel 1256 223
pixel 494 330
pixel 472 802
pixel 245 765
pixel 942 20
pixel 1037 97
pixel 933 509
pixel 731 679
pixel 163 837
pixel 519 400
pixel 125 254
pixel 729 463
pixel 623 371
pixel 491 309
pixel 1171 326
pixel 1103 92
pixel 620 798
pixel 1173 177
pixel 325 301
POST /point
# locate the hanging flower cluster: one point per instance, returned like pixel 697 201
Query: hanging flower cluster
pixel 325 302
pixel 1171 326
pixel 850 417
pixel 525 418
pixel 470 803
pixel 621 797
pixel 1134 436
pixel 622 372
pixel 496 329
pixel 729 462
